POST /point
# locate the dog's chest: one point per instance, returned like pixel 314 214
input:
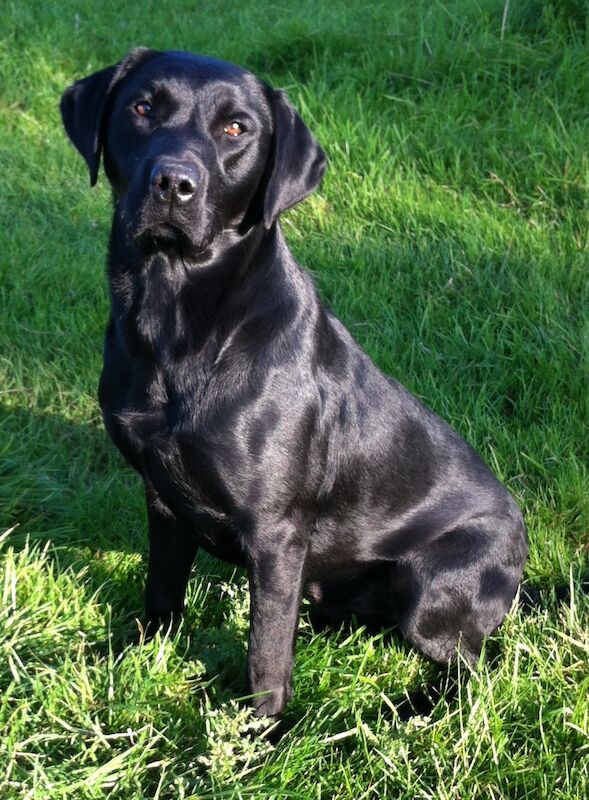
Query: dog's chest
pixel 163 420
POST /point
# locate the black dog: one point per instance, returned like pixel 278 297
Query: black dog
pixel 261 430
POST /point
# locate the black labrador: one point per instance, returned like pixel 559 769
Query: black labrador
pixel 263 433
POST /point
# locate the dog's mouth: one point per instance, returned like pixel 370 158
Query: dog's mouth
pixel 168 236
pixel 162 234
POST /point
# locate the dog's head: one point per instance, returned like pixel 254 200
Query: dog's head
pixel 192 146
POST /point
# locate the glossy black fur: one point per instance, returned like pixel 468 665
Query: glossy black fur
pixel 262 431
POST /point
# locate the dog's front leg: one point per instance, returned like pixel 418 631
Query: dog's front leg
pixel 172 549
pixel 276 566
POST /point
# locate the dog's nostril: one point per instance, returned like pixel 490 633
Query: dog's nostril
pixel 185 189
pixel 162 182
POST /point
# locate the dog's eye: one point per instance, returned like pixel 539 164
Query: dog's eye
pixel 143 108
pixel 234 129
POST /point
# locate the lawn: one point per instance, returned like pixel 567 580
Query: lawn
pixel 451 235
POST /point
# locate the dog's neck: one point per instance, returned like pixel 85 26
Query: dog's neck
pixel 182 302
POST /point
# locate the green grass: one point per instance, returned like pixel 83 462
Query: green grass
pixel 451 236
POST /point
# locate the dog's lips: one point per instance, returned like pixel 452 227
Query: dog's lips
pixel 167 235
pixel 164 231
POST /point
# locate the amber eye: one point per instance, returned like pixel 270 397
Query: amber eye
pixel 233 129
pixel 143 108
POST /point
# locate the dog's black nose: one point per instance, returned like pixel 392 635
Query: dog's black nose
pixel 170 180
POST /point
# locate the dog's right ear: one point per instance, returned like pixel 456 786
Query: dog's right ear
pixel 296 159
pixel 84 108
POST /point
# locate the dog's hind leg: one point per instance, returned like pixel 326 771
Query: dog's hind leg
pixel 455 591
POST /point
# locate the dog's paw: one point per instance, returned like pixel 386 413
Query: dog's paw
pixel 271 702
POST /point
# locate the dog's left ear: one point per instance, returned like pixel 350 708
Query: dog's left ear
pixel 84 106
pixel 297 162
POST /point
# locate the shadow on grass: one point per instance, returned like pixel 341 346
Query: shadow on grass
pixel 64 483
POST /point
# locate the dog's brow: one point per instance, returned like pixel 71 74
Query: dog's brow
pixel 169 86
pixel 220 96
